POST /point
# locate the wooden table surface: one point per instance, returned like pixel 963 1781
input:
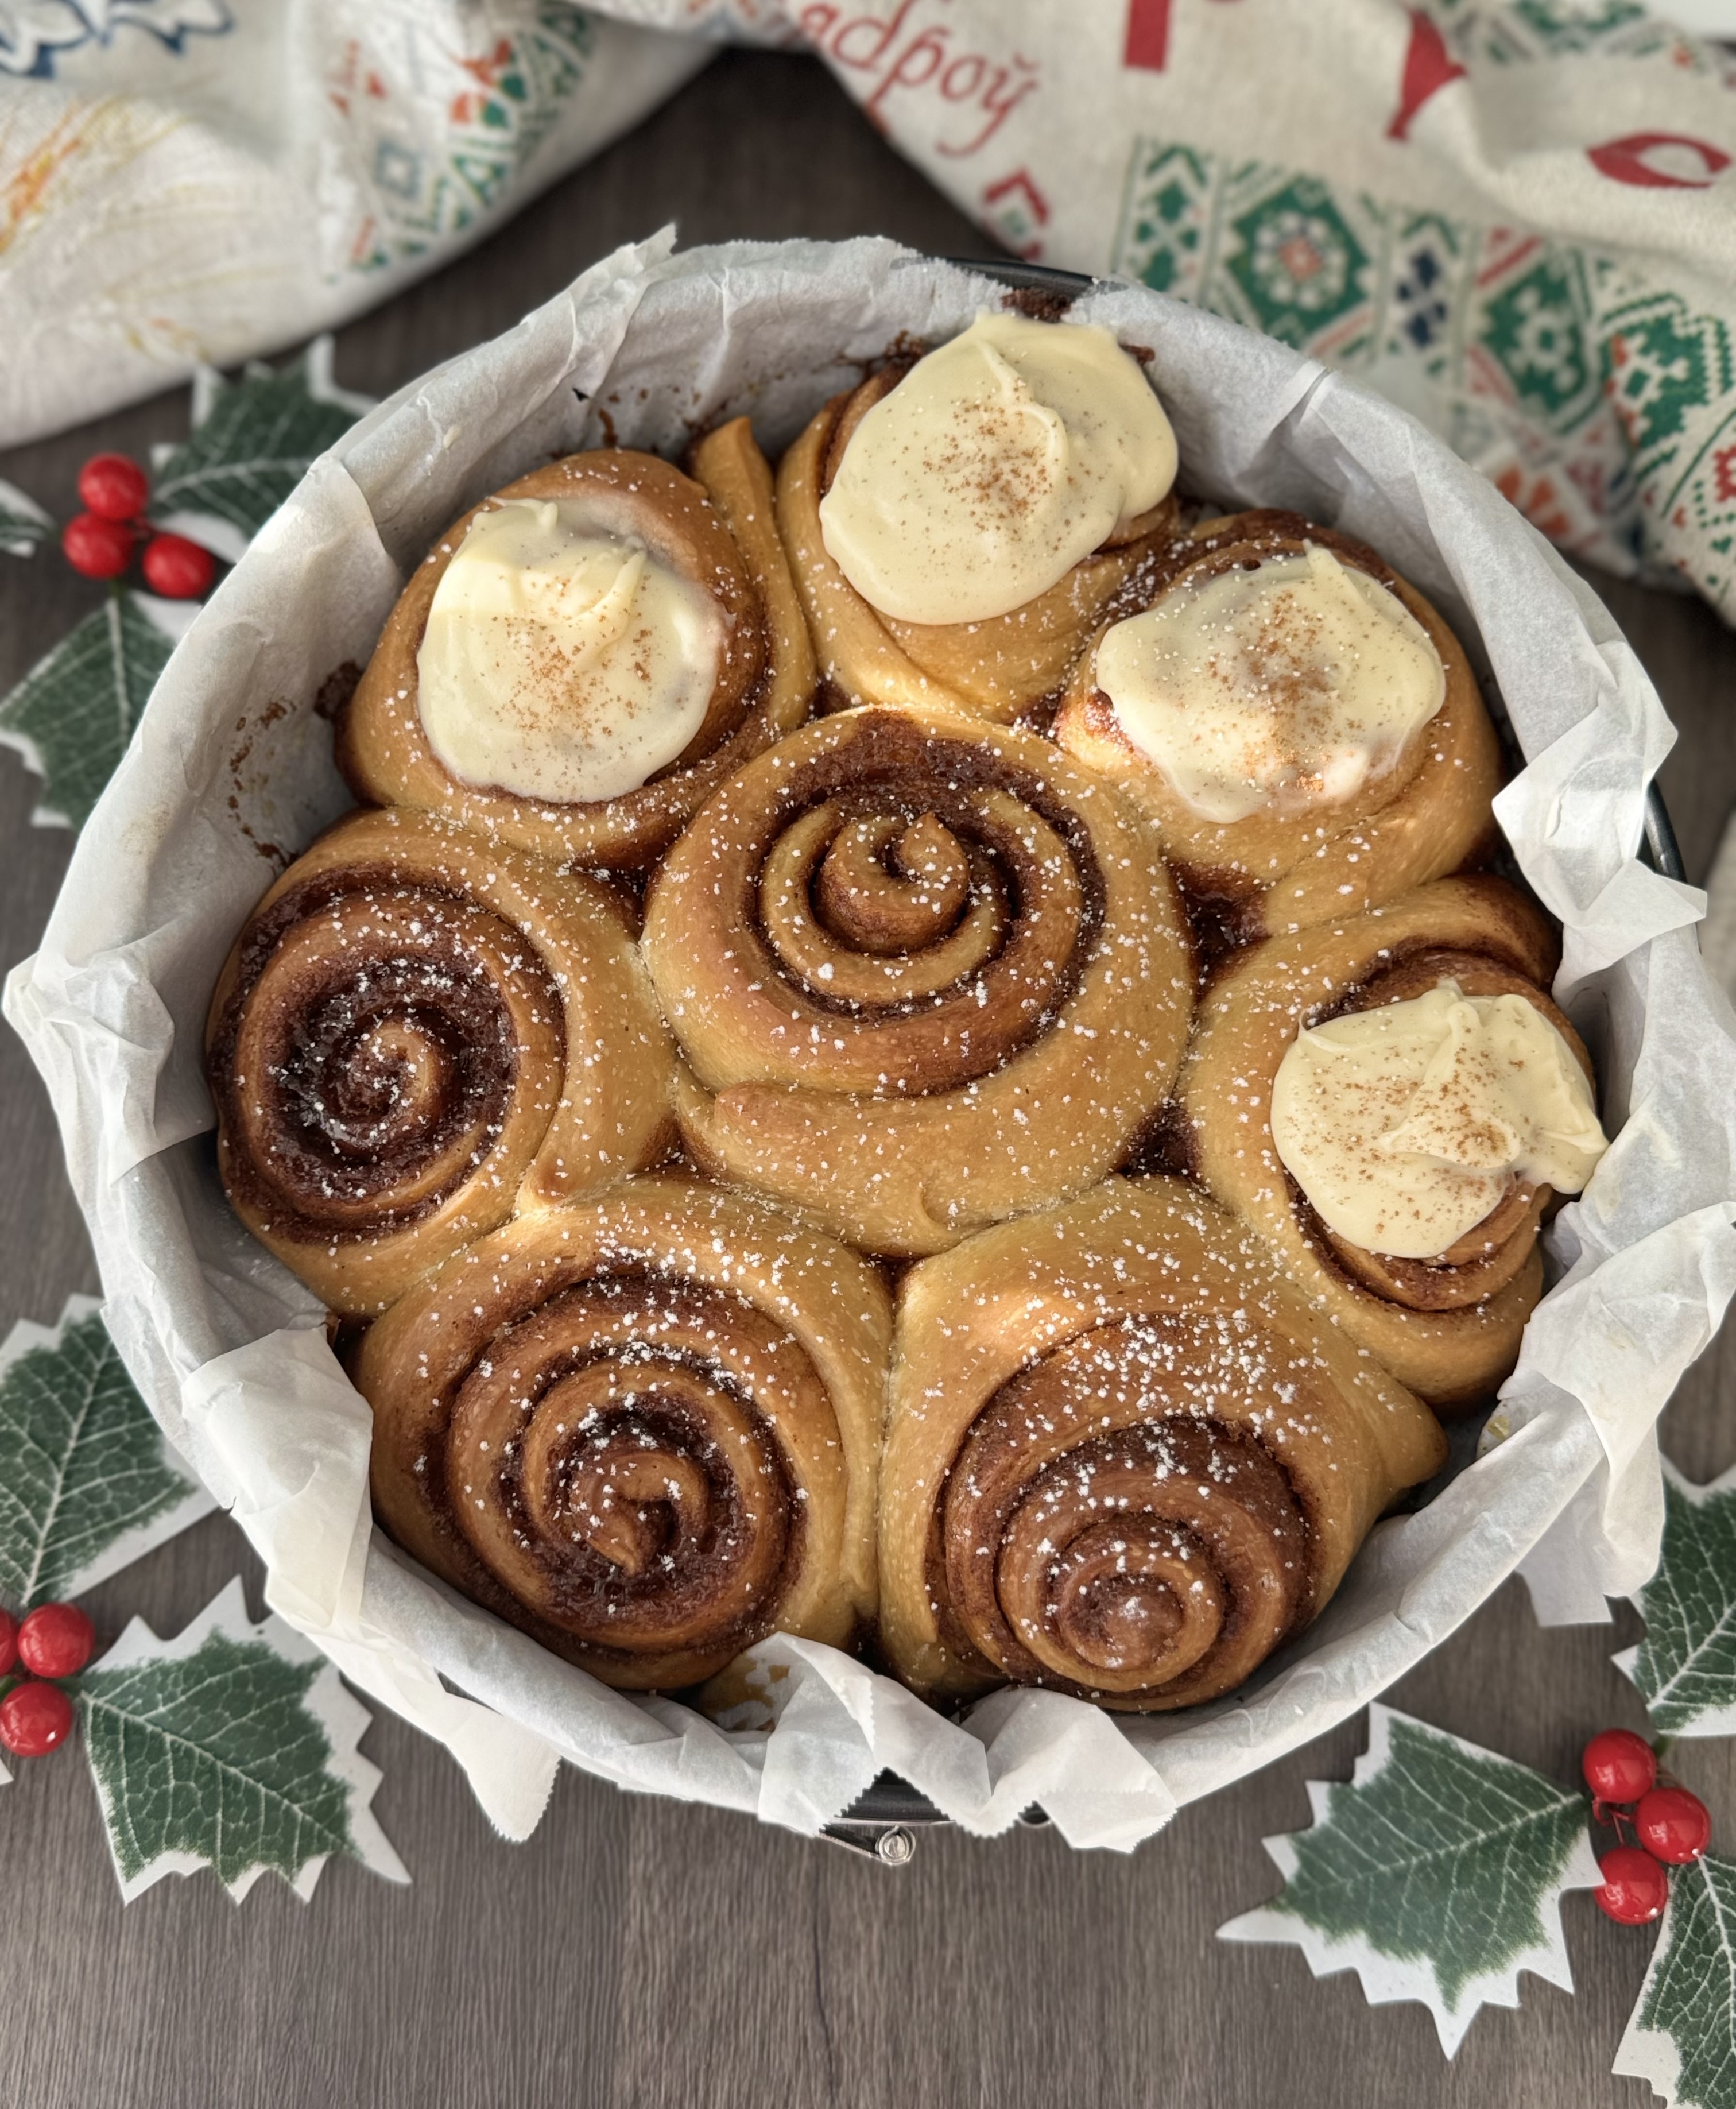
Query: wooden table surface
pixel 639 1953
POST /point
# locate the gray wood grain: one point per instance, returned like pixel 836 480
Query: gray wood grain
pixel 639 1953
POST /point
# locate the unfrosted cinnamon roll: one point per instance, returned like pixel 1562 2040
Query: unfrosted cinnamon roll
pixel 1300 724
pixel 1123 1457
pixel 1390 1102
pixel 643 1429
pixel 416 1032
pixel 958 527
pixel 925 972
pixel 584 656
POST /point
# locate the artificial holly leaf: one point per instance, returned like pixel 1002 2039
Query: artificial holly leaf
pixel 73 714
pixel 87 1484
pixel 1434 1874
pixel 22 522
pixel 252 440
pixel 1681 2035
pixel 1685 1667
pixel 232 1746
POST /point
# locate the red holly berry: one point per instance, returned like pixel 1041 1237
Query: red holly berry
pixel 8 1642
pixel 1619 1765
pixel 35 1719
pixel 56 1640
pixel 100 548
pixel 1673 1824
pixel 178 569
pixel 114 487
pixel 1635 1888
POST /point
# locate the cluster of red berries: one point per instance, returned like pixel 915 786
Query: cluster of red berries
pixel 99 541
pixel 1672 1827
pixel 53 1640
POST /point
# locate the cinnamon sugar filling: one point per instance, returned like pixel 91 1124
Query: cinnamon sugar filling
pixel 607 1460
pixel 1103 1533
pixel 371 1049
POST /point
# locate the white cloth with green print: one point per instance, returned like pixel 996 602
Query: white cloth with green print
pixel 1514 219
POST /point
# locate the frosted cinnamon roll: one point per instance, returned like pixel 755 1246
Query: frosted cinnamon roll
pixel 643 1429
pixel 579 660
pixel 1300 724
pixel 417 1031
pixel 925 974
pixel 1390 1103
pixel 1123 1457
pixel 960 526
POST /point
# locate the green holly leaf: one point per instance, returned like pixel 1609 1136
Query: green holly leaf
pixel 72 714
pixel 252 440
pixel 1685 1667
pixel 1681 2035
pixel 1434 1874
pixel 232 1746
pixel 88 1483
pixel 22 522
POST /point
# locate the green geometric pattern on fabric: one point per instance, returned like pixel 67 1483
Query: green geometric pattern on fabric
pixel 1534 29
pixel 1435 1873
pixel 1685 1667
pixel 1299 262
pixel 503 105
pixel 22 522
pixel 1603 408
pixel 73 714
pixel 231 1747
pixel 1665 362
pixel 1535 328
pixel 253 442
pixel 87 1482
pixel 1682 2034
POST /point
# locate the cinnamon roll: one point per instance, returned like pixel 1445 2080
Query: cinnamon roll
pixel 643 1429
pixel 959 525
pixel 1390 1102
pixel 580 660
pixel 925 974
pixel 1302 727
pixel 416 1032
pixel 1123 1456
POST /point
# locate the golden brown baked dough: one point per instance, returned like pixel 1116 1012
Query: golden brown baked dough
pixel 1123 1457
pixel 1279 870
pixel 416 1031
pixel 715 527
pixel 926 972
pixel 997 669
pixel 643 1429
pixel 1449 1329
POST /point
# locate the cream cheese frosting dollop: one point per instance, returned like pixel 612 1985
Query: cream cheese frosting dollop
pixel 562 662
pixel 1405 1124
pixel 1283 686
pixel 999 461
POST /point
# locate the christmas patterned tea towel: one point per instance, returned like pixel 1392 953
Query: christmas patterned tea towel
pixel 1514 219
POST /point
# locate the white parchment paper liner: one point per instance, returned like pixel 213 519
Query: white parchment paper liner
pixel 651 347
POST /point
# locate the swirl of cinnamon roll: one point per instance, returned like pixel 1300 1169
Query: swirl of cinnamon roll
pixel 581 659
pixel 1386 1101
pixel 417 1031
pixel 1123 1457
pixel 925 974
pixel 984 444
pixel 1300 724
pixel 643 1429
